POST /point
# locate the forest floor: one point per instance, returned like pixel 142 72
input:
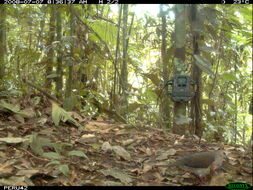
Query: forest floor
pixel 33 151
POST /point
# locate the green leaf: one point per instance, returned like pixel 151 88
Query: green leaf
pixel 52 76
pixel 10 107
pixel 58 148
pixel 99 27
pixel 54 162
pixel 77 153
pixel 52 155
pixel 228 77
pixel 64 169
pixel 59 114
pixel 203 64
pixel 35 145
pixel 36 100
pixel 56 114
pixel 208 49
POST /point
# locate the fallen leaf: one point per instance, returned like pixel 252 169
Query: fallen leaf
pixel 89 138
pixel 121 152
pixel 163 156
pixel 118 174
pixel 17 181
pixel 113 183
pixel 54 162
pixel 42 120
pixel 95 146
pixel 76 116
pixel 171 152
pixel 19 118
pixel 106 147
pixel 127 142
pixel 77 153
pixel 52 155
pixel 27 173
pixel 12 140
pixel 158 177
pixel 147 167
pixel 64 169
pixel 29 113
pixel 186 175
pixel 6 172
pixel 100 119
pixel 148 152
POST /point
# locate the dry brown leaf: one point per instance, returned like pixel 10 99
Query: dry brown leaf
pixel 89 138
pixel 148 152
pixel 163 156
pixel 233 161
pixel 6 172
pixel 106 147
pixel 147 167
pixel 19 118
pixel 136 171
pixel 127 142
pixel 27 173
pixel 17 181
pixel 186 175
pixel 158 177
pixel 42 120
pixel 12 140
pixel 113 183
pixel 121 152
pixel 76 116
pixel 118 174
pixel 29 112
pixel 171 152
pixel 218 180
pixel 100 119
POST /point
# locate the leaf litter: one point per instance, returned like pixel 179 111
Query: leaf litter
pixel 80 150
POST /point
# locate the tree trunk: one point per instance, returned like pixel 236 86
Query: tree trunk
pixel 115 88
pixel 70 69
pixel 2 40
pixel 59 69
pixel 50 55
pixel 124 70
pixel 236 106
pixel 196 76
pixel 165 108
pixel 42 25
pixel 179 65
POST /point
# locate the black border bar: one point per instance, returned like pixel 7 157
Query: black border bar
pixel 126 2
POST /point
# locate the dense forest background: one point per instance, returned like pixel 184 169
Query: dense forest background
pixel 63 63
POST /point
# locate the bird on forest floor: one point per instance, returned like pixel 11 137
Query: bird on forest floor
pixel 201 164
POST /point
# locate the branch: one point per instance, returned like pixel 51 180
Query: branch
pixel 96 34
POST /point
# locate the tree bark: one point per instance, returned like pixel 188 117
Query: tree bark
pixel 70 68
pixel 50 55
pixel 2 40
pixel 124 69
pixel 179 65
pixel 164 106
pixel 196 76
pixel 59 70
pixel 115 77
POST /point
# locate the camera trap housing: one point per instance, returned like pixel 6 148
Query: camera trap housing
pixel 182 88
